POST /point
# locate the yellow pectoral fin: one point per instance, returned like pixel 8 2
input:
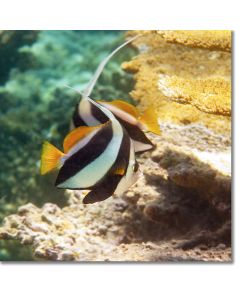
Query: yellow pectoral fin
pixel 77 134
pixel 119 171
pixel 150 120
pixel 120 167
pixel 124 106
pixel 50 158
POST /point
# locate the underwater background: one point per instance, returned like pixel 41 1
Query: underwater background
pixel 35 106
pixel 180 207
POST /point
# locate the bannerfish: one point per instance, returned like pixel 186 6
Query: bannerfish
pixel 86 114
pixel 98 158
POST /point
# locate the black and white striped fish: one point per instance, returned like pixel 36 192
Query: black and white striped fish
pixel 99 158
pixel 87 114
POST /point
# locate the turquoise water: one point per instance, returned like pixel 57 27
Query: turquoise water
pixel 35 106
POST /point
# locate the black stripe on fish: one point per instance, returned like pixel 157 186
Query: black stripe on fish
pixel 106 187
pixel 77 120
pixel 85 155
pixel 135 133
pixel 98 114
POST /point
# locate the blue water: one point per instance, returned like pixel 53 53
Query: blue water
pixel 35 105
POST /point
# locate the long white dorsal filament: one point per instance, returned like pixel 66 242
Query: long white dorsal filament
pixel 101 66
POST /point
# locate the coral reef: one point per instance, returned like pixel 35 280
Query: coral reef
pixel 209 39
pixel 179 210
pixel 211 95
pixel 198 78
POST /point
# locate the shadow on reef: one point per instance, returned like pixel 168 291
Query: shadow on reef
pixel 191 202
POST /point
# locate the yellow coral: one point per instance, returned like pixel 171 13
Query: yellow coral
pixel 211 95
pixel 201 69
pixel 210 39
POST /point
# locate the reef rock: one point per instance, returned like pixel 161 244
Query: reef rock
pixel 179 210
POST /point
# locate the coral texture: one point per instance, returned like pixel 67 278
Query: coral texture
pixel 209 39
pixel 198 78
pixel 211 95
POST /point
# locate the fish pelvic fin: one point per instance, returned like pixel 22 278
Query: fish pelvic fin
pixel 150 120
pixel 50 158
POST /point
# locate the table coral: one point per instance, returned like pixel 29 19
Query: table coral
pixel 199 78
pixel 209 39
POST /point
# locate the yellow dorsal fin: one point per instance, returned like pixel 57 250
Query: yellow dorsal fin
pixel 128 108
pixel 149 118
pixel 77 134
pixel 50 158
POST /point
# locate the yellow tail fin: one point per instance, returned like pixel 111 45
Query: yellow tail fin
pixel 149 118
pixel 50 158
